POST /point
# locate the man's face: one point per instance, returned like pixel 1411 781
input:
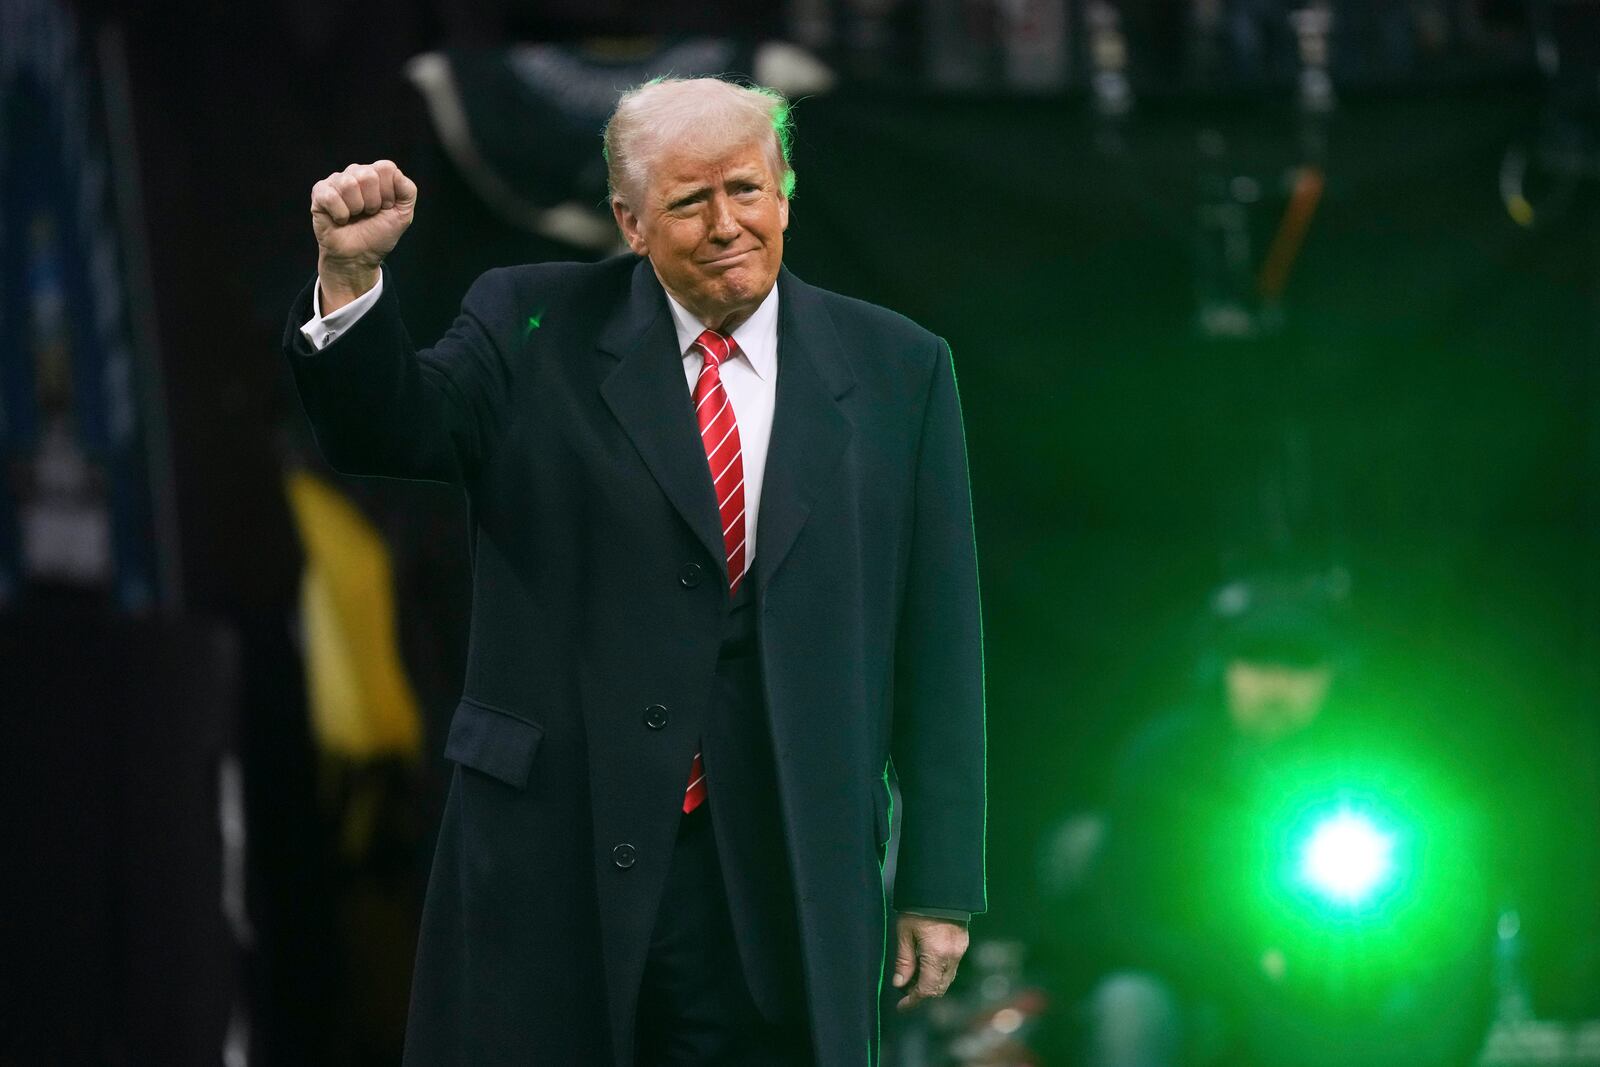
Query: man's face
pixel 1270 700
pixel 712 226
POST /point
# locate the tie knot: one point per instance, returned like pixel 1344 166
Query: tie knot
pixel 716 346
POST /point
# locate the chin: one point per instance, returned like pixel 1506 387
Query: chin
pixel 728 294
pixel 744 284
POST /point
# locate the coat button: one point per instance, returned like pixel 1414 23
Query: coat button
pixel 655 716
pixel 690 575
pixel 624 855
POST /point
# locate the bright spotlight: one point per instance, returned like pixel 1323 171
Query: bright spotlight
pixel 1346 858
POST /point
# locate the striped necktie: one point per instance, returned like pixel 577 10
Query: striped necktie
pixel 719 435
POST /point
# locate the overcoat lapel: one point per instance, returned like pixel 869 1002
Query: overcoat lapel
pixel 647 393
pixel 809 430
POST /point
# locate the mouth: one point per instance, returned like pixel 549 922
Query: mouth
pixel 723 261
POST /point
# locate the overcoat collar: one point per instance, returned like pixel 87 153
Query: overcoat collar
pixel 647 394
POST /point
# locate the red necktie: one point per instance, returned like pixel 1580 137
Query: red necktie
pixel 719 434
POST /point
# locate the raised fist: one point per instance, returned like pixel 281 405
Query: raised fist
pixel 358 214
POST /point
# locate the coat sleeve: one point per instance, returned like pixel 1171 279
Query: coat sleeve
pixel 938 742
pixel 379 407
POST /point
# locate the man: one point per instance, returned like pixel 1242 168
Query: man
pixel 1204 964
pixel 724 571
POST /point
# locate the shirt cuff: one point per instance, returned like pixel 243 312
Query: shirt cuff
pixel 320 330
pixel 938 913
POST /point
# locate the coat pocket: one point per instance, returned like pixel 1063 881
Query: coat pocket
pixel 883 810
pixel 495 742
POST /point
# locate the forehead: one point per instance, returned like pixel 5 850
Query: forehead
pixel 677 165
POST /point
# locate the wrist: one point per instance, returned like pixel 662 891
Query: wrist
pixel 343 283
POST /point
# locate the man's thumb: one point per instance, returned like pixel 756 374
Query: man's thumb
pixel 905 958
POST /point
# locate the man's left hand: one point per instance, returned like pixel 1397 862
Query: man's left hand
pixel 929 950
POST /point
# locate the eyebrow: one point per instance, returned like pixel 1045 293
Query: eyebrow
pixel 686 195
pixel 751 176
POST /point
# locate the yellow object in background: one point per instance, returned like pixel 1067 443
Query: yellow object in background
pixel 362 705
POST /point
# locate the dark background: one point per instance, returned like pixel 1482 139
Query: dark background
pixel 1424 419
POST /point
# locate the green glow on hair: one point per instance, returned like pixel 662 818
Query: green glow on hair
pixel 783 130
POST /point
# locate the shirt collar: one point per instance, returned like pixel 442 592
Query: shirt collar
pixel 757 336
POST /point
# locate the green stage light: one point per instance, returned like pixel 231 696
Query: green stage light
pixel 1347 859
pixel 1363 868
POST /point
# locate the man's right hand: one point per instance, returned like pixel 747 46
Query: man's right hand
pixel 358 215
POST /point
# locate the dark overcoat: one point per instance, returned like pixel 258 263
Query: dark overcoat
pixel 558 401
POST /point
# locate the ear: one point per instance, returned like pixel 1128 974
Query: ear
pixel 783 211
pixel 628 223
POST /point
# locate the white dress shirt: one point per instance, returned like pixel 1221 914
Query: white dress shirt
pixel 321 329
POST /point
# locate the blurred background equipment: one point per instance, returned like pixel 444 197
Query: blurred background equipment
pixel 86 493
pixel 1278 333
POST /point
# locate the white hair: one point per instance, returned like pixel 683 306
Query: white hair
pixel 707 113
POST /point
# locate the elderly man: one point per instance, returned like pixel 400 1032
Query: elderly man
pixel 724 574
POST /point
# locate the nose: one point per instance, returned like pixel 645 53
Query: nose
pixel 724 226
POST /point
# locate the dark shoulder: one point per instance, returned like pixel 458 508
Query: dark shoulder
pixel 878 334
pixel 538 285
pixel 889 324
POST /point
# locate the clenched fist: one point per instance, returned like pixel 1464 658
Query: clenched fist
pixel 358 215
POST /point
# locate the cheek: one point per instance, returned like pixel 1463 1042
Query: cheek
pixel 680 237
